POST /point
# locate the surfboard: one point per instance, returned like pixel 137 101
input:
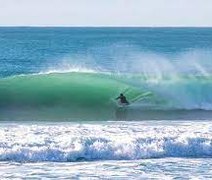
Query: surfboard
pixel 132 101
pixel 120 105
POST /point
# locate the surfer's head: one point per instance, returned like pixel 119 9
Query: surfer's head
pixel 121 94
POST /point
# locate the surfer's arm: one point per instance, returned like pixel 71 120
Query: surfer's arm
pixel 118 98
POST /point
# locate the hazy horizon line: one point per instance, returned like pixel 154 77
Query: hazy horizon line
pixel 100 26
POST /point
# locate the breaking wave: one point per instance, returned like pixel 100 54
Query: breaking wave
pixel 89 142
pixel 79 93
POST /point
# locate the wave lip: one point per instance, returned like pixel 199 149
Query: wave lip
pixel 76 69
pixel 103 142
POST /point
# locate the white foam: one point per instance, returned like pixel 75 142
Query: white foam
pixel 68 69
pixel 113 141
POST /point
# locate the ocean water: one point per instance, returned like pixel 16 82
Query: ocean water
pixel 59 118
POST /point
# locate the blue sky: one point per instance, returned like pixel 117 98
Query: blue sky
pixel 106 12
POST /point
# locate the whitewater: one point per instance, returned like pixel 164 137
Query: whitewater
pixel 119 150
pixel 59 118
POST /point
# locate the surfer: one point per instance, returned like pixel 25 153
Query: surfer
pixel 123 99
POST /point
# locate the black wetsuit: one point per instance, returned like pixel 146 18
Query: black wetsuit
pixel 123 99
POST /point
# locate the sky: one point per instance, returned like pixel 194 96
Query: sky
pixel 106 13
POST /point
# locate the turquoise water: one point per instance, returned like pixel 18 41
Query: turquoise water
pixel 58 114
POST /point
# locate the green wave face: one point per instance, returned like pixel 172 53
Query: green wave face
pixel 92 95
pixel 56 95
